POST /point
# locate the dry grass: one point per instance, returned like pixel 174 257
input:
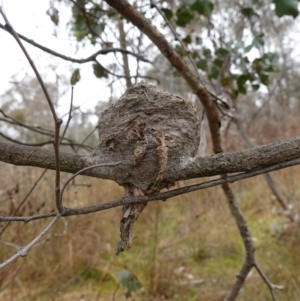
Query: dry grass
pixel 191 237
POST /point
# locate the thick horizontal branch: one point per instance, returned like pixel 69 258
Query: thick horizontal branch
pixel 154 197
pixel 79 61
pixel 239 161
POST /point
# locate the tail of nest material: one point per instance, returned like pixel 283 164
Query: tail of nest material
pixel 149 130
pixel 130 214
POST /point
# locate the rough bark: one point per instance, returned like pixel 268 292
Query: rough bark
pixel 245 160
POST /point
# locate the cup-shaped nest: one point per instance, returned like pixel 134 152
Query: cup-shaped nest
pixel 149 130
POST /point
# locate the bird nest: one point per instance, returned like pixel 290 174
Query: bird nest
pixel 149 130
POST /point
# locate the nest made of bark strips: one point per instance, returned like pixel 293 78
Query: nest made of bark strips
pixel 149 130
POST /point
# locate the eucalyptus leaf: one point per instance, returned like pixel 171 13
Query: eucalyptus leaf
pixel 75 77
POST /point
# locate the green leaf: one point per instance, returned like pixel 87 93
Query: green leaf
pixel 264 78
pixel 214 72
pixel 168 13
pixel 248 48
pixel 243 63
pixel 189 2
pixel 248 12
pixel 242 89
pixel 187 40
pixel 75 78
pixel 100 71
pixel 241 82
pixel 286 8
pixel 222 52
pixel 202 65
pixel 207 52
pixel 235 93
pixel 226 82
pixel 272 57
pixel 255 87
pixel 184 16
pixel 203 7
pixel 218 63
pixel 180 50
pixel 129 281
pixel 258 40
pixel 199 41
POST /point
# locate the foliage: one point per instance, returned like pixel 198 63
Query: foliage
pixel 234 53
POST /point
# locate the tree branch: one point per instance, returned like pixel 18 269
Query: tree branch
pixel 158 39
pixel 240 161
pixel 154 197
pixel 23 251
pixel 79 61
pixel 57 121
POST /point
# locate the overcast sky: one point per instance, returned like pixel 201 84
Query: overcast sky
pixel 29 18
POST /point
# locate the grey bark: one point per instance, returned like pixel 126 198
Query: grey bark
pixel 240 161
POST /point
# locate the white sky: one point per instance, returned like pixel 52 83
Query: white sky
pixel 29 19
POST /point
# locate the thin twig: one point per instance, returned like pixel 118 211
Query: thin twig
pixel 69 116
pixel 177 38
pixel 64 232
pixel 10 29
pixel 79 61
pixel 270 285
pixel 293 217
pixel 84 139
pixel 39 130
pixel 23 201
pixel 57 121
pixel 8 244
pixel 22 252
pixel 113 164
pixel 160 196
pixel 71 144
pixel 126 76
pixel 26 218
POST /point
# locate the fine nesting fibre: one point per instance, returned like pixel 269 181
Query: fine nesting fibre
pixel 149 130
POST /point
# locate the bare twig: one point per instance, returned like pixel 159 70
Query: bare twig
pixel 26 218
pixel 8 244
pixel 69 116
pixel 38 130
pixel 57 121
pixel 79 61
pixel 10 29
pixel 268 178
pixel 14 121
pixel 23 201
pixel 113 164
pixel 177 38
pixel 127 76
pixel 247 240
pixel 154 197
pixel 71 144
pixel 64 232
pixel 123 44
pixel 84 139
pixel 87 17
pixel 22 252
pixel 270 285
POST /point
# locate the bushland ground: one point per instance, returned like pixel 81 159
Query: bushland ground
pixel 187 248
